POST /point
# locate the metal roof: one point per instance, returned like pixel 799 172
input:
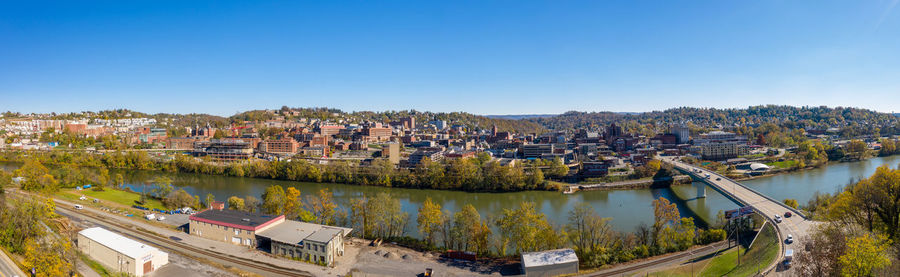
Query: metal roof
pixel 119 243
pixel 234 218
pixel 293 232
pixel 549 257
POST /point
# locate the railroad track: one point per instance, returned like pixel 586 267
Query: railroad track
pixel 184 249
pixel 637 266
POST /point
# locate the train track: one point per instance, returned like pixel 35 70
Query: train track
pixel 185 249
pixel 638 266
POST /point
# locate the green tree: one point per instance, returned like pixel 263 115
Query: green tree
pixel 210 198
pixel 273 200
pixel 251 204
pixel 590 234
pixel 523 227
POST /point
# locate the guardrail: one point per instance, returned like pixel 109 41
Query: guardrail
pixel 792 209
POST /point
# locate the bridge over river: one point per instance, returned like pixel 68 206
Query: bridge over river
pixel 797 225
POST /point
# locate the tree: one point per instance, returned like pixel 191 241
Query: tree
pixel 558 169
pixel 792 203
pixel 119 181
pixel 50 257
pixel 273 200
pixel 251 204
pixel 856 149
pixel 180 199
pixel 293 205
pixel 864 255
pixel 210 198
pixel 590 234
pixel 236 203
pixel 324 210
pixel 430 219
pixel 523 227
pixel 36 176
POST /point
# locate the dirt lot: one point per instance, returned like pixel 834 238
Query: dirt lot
pixel 391 260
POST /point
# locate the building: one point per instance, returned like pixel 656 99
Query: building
pixel 391 151
pixel 224 149
pixel 408 122
pixel 550 263
pixel 416 157
pixel 119 253
pixel 718 145
pixel 536 150
pixel 305 241
pixel 377 133
pixel 233 226
pixel 329 130
pixel 284 145
pixel 682 133
pixel 181 143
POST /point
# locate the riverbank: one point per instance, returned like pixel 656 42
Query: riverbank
pixel 642 183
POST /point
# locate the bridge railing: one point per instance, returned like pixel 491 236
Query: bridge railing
pixel 792 209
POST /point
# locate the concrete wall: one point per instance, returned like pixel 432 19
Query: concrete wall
pixel 552 270
pixel 227 234
pixel 109 257
pixel 311 251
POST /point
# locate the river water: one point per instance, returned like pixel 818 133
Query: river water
pixel 627 208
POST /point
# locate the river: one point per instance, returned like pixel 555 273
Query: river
pixel 627 208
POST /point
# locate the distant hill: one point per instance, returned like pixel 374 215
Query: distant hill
pixel 519 116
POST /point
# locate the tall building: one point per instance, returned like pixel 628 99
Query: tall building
pixel 284 145
pixel 391 151
pixel 682 133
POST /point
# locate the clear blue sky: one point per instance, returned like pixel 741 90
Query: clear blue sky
pixel 484 57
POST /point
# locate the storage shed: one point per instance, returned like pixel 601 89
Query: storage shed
pixel 550 263
pixel 119 253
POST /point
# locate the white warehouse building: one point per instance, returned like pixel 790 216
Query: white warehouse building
pixel 550 263
pixel 119 253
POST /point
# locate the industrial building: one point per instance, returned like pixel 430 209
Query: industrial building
pixel 550 263
pixel 119 253
pixel 305 241
pixel 233 226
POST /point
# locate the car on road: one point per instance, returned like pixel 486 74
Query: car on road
pixel 777 218
pixel 718 179
pixel 787 214
pixel 79 207
pixel 790 239
pixel 788 256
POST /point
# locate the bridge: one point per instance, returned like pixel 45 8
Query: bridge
pixel 797 225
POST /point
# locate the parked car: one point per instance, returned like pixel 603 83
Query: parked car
pixel 160 218
pixel 787 214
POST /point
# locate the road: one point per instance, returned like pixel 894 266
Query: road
pixel 659 261
pixel 8 268
pixel 797 225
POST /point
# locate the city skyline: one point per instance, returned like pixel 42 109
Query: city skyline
pixel 489 58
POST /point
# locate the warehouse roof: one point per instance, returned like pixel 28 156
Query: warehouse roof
pixel 293 232
pixel 234 218
pixel 119 243
pixel 549 257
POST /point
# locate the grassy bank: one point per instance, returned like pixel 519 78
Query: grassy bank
pixel 124 198
pixel 756 258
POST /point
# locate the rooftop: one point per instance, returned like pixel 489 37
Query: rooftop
pixel 293 232
pixel 234 218
pixel 126 246
pixel 549 257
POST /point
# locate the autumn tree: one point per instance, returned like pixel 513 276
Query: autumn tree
pixel 590 234
pixel 864 255
pixel 210 198
pixel 430 219
pixel 251 204
pixel 180 199
pixel 235 203
pixel 527 229
pixel 792 203
pixel 324 210
pixel 273 200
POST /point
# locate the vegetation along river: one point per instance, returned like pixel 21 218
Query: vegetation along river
pixel 627 208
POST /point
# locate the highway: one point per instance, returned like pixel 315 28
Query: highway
pixel 797 225
pixel 8 268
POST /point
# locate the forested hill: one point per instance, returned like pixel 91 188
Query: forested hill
pixel 787 116
pixel 461 118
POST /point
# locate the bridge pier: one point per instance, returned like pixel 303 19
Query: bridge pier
pixel 701 189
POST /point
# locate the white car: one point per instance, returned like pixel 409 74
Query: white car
pixel 160 218
pixel 777 218
pixel 790 239
pixel 79 207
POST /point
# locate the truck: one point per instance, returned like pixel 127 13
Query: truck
pixel 788 257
